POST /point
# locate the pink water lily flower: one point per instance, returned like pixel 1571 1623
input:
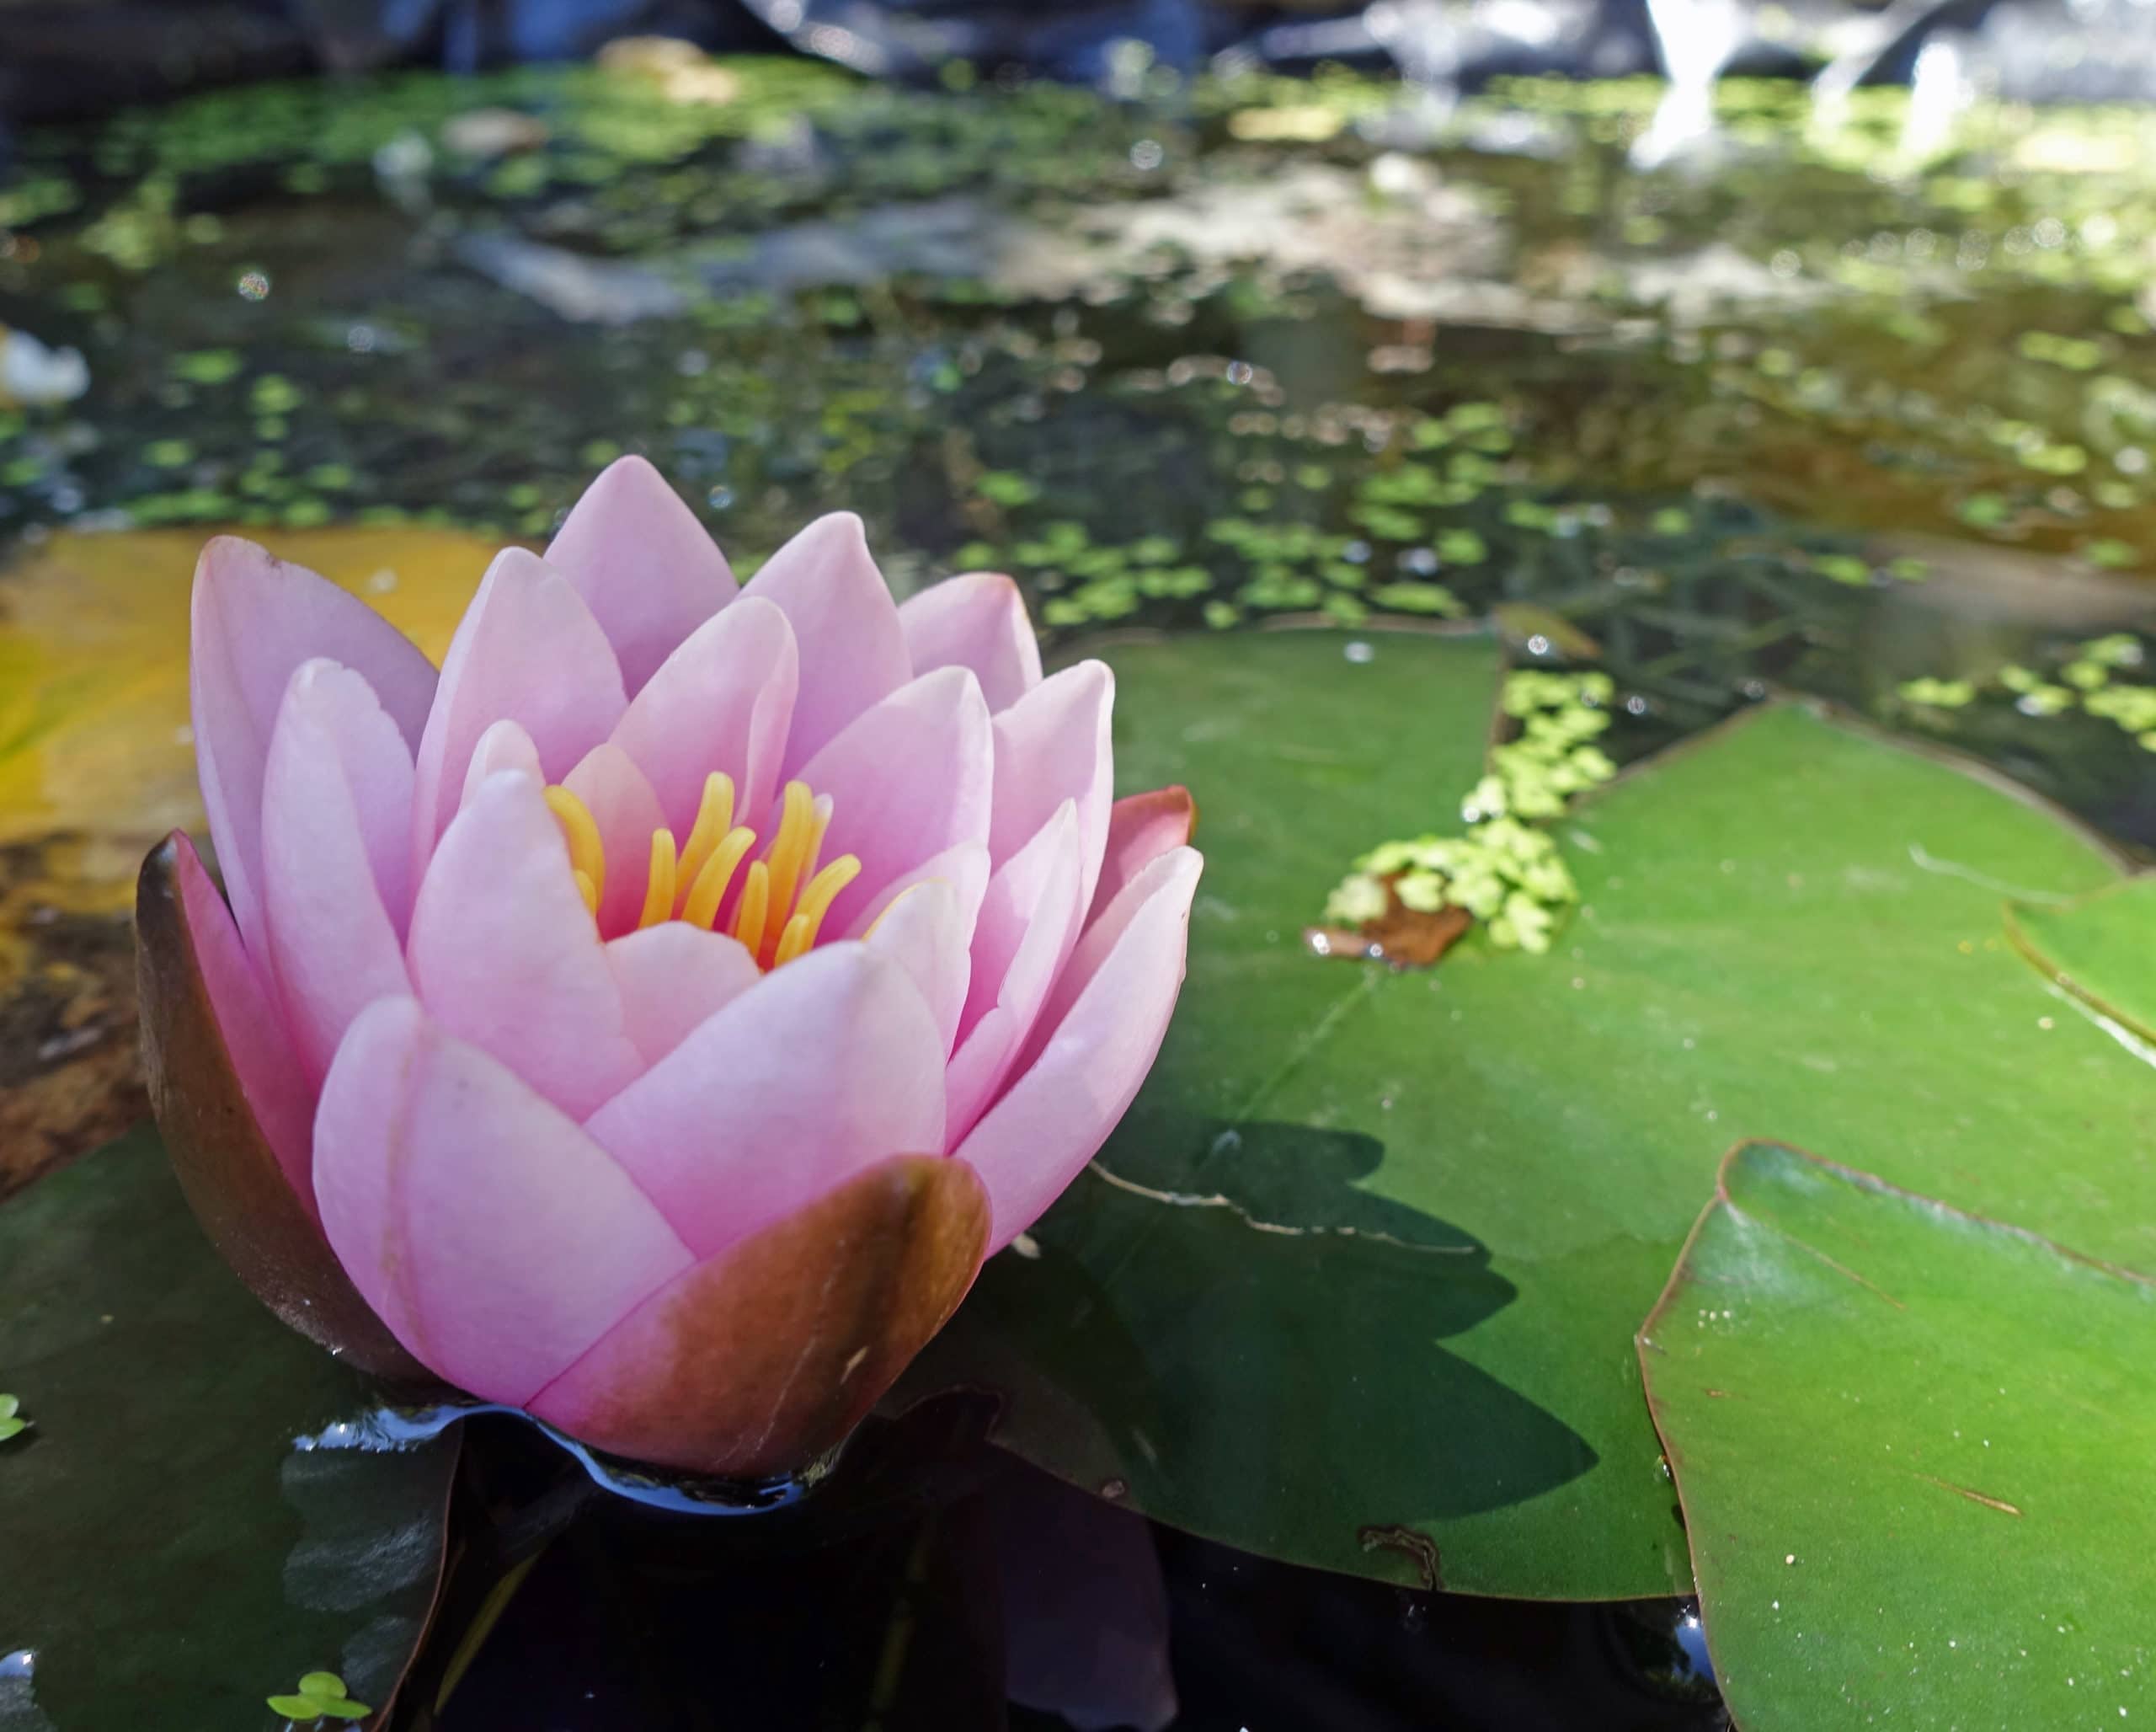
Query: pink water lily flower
pixel 652 1019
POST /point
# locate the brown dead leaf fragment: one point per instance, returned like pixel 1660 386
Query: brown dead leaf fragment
pixel 1400 935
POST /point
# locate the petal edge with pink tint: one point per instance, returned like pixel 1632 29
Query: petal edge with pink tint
pixel 336 809
pixel 1141 828
pixel 976 620
pixel 527 650
pixel 643 564
pixel 722 701
pixel 672 977
pixel 491 1234
pixel 627 813
pixel 253 619
pixel 504 956
pixel 910 778
pixel 828 1065
pixel 853 651
pixel 1052 746
pixel 1092 1048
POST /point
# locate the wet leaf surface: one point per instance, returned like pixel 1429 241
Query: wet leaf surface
pixel 170 1553
pixel 1909 1442
pixel 1369 1250
pixel 2101 948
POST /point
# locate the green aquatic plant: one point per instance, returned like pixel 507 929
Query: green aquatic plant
pixel 1503 871
pixel 320 1697
pixel 11 1423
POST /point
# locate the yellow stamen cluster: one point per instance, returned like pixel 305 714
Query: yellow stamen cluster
pixel 784 896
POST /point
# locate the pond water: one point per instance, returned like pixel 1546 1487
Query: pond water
pixel 1857 402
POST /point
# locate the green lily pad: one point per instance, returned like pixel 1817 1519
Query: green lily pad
pixel 2101 948
pixel 169 1550
pixel 1355 1283
pixel 1911 1443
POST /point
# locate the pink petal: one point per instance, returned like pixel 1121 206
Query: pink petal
pixel 720 701
pixel 527 649
pixel 1096 1041
pixel 907 780
pixel 672 977
pixel 828 1065
pixel 504 747
pixel 1050 747
pixel 853 651
pixel 278 1092
pixel 1028 927
pixel 336 851
pixel 504 955
pixel 925 932
pixel 976 621
pixel 255 619
pixel 494 1238
pixel 963 867
pixel 1141 828
pixel 626 812
pixel 643 564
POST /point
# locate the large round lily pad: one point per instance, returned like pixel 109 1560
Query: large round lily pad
pixel 1355 1284
pixel 1913 1445
pixel 172 1557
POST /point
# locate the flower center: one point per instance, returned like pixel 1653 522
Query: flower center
pixel 783 894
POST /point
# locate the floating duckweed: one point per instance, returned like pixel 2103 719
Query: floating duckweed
pixel 1505 872
pixel 2085 675
pixel 1938 694
pixel 1842 568
pixel 2119 649
pixel 167 453
pixel 1984 511
pixel 1002 487
pixel 320 1696
pixel 2111 554
pixel 207 367
pixel 12 1424
pixel 1433 598
pixel 1908 569
pixel 2078 354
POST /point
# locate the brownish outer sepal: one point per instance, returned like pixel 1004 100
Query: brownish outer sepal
pixel 226 1166
pixel 767 1356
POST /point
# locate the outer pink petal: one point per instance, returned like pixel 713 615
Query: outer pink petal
pixel 720 701
pixel 673 975
pixel 827 1067
pixel 1141 828
pixel 504 955
pixel 626 812
pixel 925 932
pixel 908 779
pixel 1098 1038
pixel 527 649
pixel 504 747
pixel 853 651
pixel 336 809
pixel 494 1238
pixel 255 619
pixel 976 621
pixel 277 1090
pixel 1028 926
pixel 642 564
pixel 1050 747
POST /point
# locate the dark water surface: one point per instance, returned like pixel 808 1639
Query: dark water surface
pixel 1861 403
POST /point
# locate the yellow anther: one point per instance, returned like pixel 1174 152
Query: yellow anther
pixel 755 904
pixel 709 889
pixel 823 890
pixel 795 938
pixel 789 849
pixel 714 821
pixel 658 886
pixel 586 888
pixel 587 855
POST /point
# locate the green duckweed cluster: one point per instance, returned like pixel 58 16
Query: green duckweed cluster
pixel 12 1422
pixel 1504 869
pixel 321 1696
pixel 2088 680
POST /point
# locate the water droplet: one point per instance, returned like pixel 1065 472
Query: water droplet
pixel 1359 652
pixel 254 286
pixel 1147 155
pixel 719 498
pixel 1115 1490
